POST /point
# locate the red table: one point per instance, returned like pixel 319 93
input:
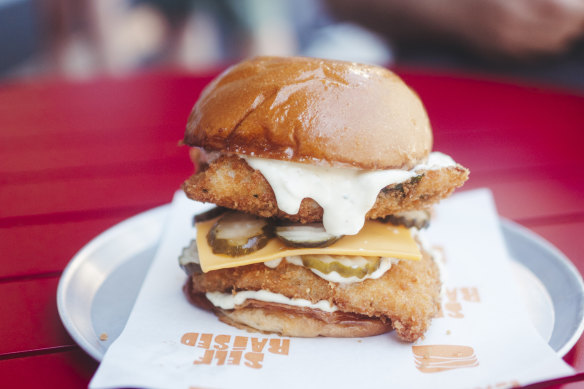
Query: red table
pixel 78 157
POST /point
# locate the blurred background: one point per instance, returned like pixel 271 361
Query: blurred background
pixel 540 41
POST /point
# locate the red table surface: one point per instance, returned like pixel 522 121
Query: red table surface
pixel 78 157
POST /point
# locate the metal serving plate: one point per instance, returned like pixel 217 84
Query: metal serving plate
pixel 99 286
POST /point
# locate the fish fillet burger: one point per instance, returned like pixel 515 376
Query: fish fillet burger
pixel 323 175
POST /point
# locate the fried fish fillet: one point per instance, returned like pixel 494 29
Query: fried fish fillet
pixel 230 182
pixel 407 296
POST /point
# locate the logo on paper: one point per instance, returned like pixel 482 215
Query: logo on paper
pixel 455 297
pixel 219 350
pixel 439 357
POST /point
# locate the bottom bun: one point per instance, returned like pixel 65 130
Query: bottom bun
pixel 287 320
pixel 299 325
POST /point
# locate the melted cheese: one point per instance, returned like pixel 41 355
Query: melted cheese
pixel 375 240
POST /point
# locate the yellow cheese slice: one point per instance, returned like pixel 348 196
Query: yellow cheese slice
pixel 374 240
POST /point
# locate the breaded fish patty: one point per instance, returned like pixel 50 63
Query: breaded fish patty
pixel 407 296
pixel 230 182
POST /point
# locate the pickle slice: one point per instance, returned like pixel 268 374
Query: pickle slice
pixel 237 234
pixel 208 215
pixel 418 218
pixel 345 266
pixel 189 259
pixel 305 235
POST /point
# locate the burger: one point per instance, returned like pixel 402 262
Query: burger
pixel 323 177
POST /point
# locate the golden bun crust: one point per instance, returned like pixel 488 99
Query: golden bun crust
pixel 313 111
pixel 299 325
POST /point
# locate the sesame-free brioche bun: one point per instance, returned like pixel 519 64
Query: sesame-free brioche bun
pixel 313 111
pixel 299 325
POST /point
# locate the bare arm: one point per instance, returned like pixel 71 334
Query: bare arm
pixel 509 28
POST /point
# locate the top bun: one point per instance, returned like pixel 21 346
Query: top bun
pixel 313 111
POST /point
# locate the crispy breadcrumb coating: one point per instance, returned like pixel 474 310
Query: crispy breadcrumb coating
pixel 408 294
pixel 230 182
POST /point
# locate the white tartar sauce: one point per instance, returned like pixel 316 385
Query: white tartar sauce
pixel 345 194
pixel 230 301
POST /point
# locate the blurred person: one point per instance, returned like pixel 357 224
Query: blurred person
pixel 519 29
pixel 193 34
pixel 81 38
pixel 522 38
pixel 537 40
pixel 52 29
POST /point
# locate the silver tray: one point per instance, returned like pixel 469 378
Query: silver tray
pixel 99 286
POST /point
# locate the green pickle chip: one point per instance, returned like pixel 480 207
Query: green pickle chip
pixel 360 266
